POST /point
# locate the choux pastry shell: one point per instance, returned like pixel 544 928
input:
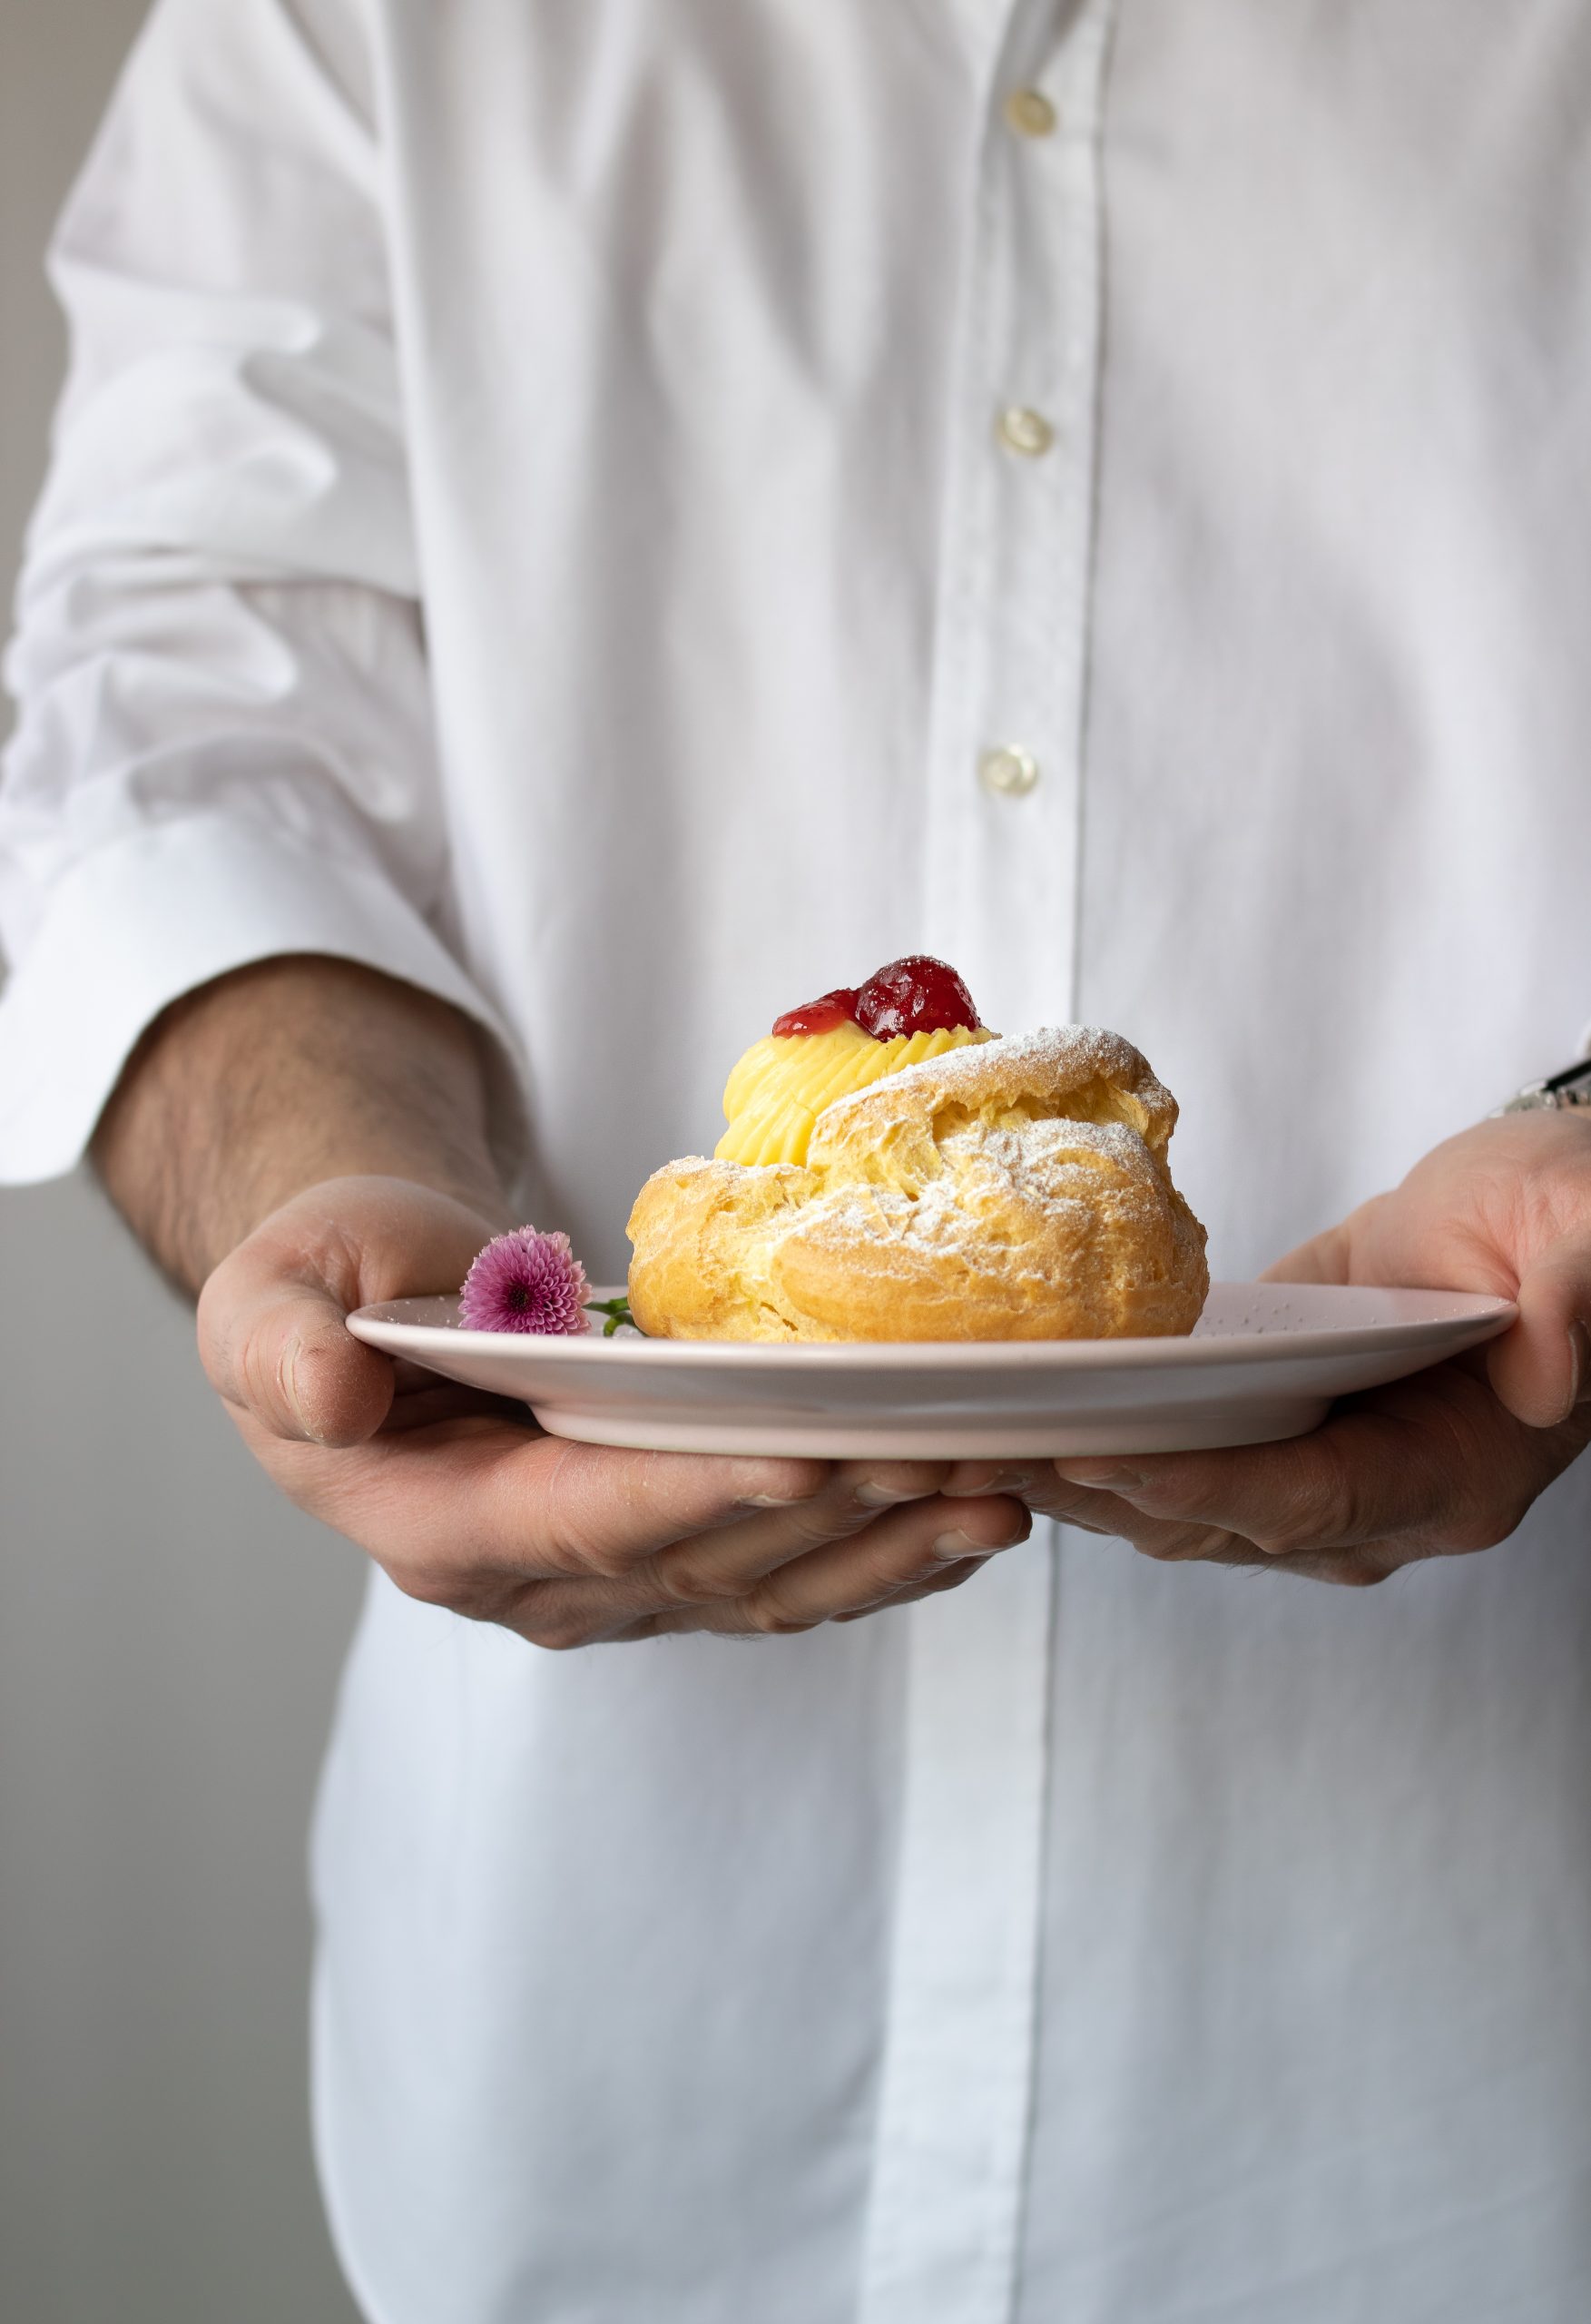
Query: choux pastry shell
pixel 1018 1189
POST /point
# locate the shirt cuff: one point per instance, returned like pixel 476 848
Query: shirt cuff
pixel 140 923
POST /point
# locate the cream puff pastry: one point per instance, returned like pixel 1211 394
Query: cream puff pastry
pixel 969 1188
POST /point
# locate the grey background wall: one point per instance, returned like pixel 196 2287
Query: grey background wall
pixel 169 1641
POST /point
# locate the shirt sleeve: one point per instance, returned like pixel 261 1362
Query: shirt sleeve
pixel 223 746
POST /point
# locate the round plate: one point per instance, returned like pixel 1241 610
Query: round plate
pixel 1266 1361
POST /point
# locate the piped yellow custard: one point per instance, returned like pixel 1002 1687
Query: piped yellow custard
pixel 913 1009
pixel 777 1090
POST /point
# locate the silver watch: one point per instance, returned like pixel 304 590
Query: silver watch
pixel 1572 1087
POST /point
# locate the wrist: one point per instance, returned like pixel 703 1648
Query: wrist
pixel 1566 1091
pixel 287 1075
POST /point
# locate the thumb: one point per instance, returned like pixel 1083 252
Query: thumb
pixel 272 1330
pixel 1541 1366
pixel 1324 1258
pixel 278 1350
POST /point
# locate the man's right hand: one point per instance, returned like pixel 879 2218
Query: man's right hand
pixel 467 1505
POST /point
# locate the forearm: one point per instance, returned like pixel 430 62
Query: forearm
pixel 272 1079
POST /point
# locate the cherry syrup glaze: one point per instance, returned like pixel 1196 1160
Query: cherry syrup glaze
pixel 836 1008
pixel 914 995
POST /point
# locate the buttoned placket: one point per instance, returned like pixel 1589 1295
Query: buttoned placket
pixel 1005 777
pixel 1006 803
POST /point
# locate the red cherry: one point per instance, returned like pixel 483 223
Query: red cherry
pixel 915 995
pixel 836 1008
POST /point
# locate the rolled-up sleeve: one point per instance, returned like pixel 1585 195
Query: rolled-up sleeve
pixel 223 748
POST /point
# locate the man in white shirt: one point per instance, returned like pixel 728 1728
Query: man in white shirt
pixel 573 527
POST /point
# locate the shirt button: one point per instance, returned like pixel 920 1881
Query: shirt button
pixel 1030 113
pixel 1009 772
pixel 1025 431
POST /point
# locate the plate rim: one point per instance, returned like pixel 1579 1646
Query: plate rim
pixel 1174 1351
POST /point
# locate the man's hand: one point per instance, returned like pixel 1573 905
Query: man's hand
pixel 1434 1466
pixel 467 1505
pixel 305 1136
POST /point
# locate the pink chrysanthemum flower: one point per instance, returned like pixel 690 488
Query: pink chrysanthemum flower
pixel 525 1281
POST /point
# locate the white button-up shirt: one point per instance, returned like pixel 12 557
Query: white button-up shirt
pixel 626 513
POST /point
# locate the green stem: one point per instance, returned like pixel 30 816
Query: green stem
pixel 617 1312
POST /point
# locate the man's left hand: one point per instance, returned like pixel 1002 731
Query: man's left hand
pixel 1436 1466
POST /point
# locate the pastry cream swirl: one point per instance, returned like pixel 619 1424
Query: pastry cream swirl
pixel 778 1089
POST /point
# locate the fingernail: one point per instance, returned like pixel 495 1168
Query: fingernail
pixel 764 1500
pixel 1580 1343
pixel 884 1496
pixel 951 1546
pixel 996 1481
pixel 290 1380
pixel 1100 1476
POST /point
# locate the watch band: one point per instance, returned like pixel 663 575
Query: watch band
pixel 1572 1087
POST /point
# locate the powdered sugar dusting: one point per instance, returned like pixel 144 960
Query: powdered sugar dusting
pixel 1051 1168
pixel 1052 1061
pixel 1070 1053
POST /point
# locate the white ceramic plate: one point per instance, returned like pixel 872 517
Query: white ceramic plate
pixel 1266 1361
